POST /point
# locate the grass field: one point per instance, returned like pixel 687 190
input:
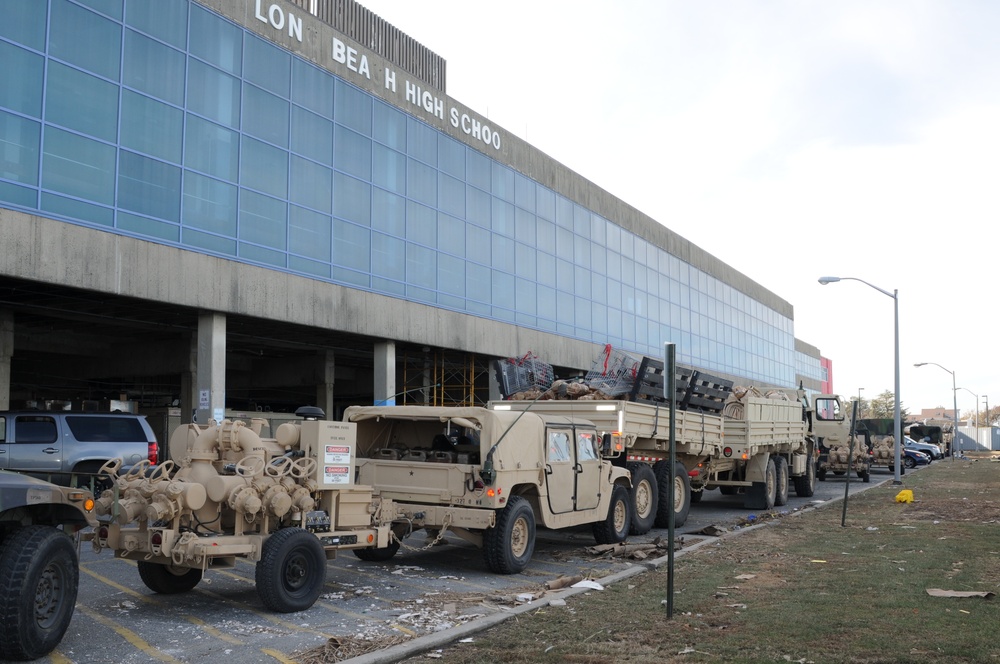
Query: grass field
pixel 801 588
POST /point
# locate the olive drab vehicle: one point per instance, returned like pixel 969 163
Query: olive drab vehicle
pixel 490 477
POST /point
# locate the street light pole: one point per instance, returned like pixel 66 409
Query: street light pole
pixel 860 410
pixel 955 445
pixel 897 420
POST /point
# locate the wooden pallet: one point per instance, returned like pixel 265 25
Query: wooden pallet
pixel 695 390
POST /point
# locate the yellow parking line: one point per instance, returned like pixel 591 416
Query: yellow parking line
pixel 278 656
pixel 128 635
pixel 155 602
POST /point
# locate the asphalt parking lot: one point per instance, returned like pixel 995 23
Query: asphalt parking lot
pixel 432 593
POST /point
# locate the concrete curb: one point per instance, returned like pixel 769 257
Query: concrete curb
pixel 440 639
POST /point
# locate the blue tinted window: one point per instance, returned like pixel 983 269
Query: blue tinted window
pixel 212 149
pixel 478 244
pixel 146 226
pixel 16 195
pixel 24 22
pixel 351 246
pixel 153 68
pixel 389 169
pixel 152 127
pixel 478 207
pixel 267 65
pixel 213 94
pixel 503 253
pixel 112 8
pixel 451 234
pixel 20 80
pixel 504 294
pixel 390 126
pixel 209 205
pixel 352 153
pixel 421 182
pixel 421 224
pixel 503 182
pixel 215 40
pixel 312 136
pixel 389 213
pixel 75 209
pixel 78 166
pixel 479 170
pixel 388 256
pixel 312 87
pixel 545 203
pixel 421 142
pixel 309 234
pixel 82 102
pixel 451 275
pixel 19 149
pixel 524 193
pixel 451 195
pixel 451 156
pixel 264 167
pixel 421 266
pixel 478 285
pixel 265 116
pixel 149 186
pixel 311 185
pixel 85 39
pixel 352 199
pixel 195 238
pixel 164 19
pixel 353 108
pixel 262 220
pixel 525 261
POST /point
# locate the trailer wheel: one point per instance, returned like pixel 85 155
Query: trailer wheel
pixel 696 496
pixel 821 474
pixel 291 570
pixel 865 475
pixel 805 485
pixel 508 546
pixel 644 496
pixel 378 554
pixel 39 577
pixel 781 477
pixel 760 495
pixel 615 527
pixel 168 579
pixel 681 486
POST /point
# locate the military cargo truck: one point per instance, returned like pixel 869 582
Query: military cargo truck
pixel 739 443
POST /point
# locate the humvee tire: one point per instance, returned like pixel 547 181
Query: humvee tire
pixel 644 496
pixel 291 571
pixel 681 487
pixel 39 577
pixel 167 579
pixel 508 546
pixel 760 495
pixel 615 528
pixel 805 485
pixel 781 477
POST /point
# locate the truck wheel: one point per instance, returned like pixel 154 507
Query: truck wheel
pixel 168 579
pixel 681 486
pixel 644 495
pixel 760 495
pixel 615 527
pixel 781 477
pixel 39 578
pixel 291 570
pixel 378 554
pixel 865 475
pixel 508 546
pixel 805 484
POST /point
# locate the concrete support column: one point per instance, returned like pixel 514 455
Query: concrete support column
pixel 385 374
pixel 324 386
pixel 211 368
pixel 6 352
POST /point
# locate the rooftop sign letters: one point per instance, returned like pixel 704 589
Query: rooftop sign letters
pixel 353 63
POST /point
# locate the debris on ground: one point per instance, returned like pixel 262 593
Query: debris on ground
pixel 937 592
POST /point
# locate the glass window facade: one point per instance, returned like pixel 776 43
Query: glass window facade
pixel 166 121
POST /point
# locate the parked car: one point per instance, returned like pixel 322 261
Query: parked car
pixel 930 449
pixel 912 458
pixel 68 447
pixel 39 568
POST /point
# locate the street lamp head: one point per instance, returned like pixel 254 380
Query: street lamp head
pixel 828 280
pixel 919 364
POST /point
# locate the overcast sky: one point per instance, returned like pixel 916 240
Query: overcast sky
pixel 792 139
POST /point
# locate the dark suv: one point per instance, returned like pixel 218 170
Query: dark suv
pixel 67 447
